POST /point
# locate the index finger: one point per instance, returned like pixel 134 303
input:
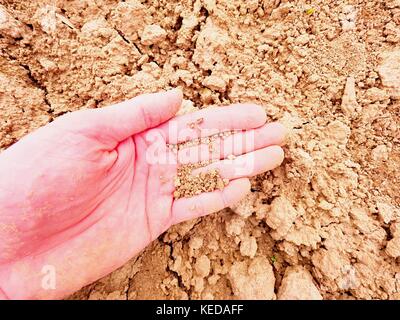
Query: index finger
pixel 208 122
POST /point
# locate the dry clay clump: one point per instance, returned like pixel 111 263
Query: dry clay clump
pixel 298 284
pixel 253 281
pixel 390 72
pixel 327 219
pixel 9 26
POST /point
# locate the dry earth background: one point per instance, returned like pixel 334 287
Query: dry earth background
pixel 326 224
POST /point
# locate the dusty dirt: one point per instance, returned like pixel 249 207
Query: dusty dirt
pixel 326 224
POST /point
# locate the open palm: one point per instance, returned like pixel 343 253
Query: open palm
pixel 84 194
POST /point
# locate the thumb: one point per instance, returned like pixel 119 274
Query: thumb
pixel 116 123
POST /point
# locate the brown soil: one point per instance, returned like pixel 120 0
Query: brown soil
pixel 324 224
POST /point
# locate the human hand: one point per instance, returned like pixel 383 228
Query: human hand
pixel 84 194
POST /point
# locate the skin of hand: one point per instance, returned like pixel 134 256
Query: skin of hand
pixel 82 195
